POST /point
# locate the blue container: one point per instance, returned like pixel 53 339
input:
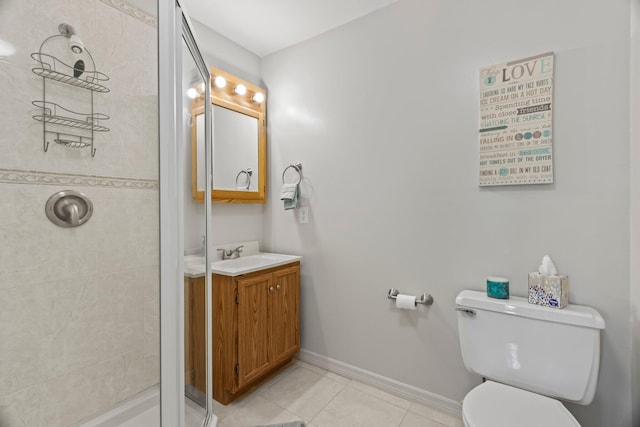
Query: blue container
pixel 497 287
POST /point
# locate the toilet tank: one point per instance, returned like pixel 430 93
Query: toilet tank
pixel 550 351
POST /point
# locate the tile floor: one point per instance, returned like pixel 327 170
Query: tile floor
pixel 323 399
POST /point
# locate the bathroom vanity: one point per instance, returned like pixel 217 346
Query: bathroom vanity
pixel 256 327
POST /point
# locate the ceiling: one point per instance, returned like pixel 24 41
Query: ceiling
pixel 266 26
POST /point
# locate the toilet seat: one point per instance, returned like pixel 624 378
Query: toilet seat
pixel 497 405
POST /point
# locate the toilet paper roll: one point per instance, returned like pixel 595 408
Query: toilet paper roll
pixel 407 302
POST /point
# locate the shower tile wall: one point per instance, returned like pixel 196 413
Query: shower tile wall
pixel 79 321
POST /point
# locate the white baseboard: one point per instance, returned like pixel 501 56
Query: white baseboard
pixel 383 383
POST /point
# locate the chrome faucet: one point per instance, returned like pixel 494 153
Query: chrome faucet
pixel 231 253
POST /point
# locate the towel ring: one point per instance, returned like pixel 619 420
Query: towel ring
pixel 248 172
pixel 297 167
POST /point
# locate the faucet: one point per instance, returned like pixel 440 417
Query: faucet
pixel 231 253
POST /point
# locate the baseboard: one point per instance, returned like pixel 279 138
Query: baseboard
pixel 389 385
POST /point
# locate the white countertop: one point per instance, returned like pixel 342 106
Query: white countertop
pixel 194 264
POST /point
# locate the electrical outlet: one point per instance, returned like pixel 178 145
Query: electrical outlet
pixel 303 215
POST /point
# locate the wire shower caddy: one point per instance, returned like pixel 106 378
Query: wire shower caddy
pixel 61 124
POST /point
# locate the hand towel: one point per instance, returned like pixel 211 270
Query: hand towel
pixel 289 194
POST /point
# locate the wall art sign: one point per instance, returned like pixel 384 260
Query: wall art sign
pixel 515 122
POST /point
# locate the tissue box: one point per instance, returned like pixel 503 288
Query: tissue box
pixel 549 291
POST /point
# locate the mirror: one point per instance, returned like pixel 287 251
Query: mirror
pixel 239 141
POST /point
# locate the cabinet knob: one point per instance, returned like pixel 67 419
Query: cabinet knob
pixel 270 288
pixel 277 286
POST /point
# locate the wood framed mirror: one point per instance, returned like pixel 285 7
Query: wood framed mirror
pixel 239 141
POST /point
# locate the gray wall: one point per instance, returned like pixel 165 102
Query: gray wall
pixel 383 114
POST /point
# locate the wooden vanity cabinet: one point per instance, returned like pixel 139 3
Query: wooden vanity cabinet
pixel 256 328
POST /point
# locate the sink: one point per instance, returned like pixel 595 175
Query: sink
pixel 194 264
pixel 247 261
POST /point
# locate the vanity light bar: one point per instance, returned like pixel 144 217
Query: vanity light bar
pixel 240 89
pixel 229 89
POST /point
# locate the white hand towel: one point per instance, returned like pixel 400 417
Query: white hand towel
pixel 288 192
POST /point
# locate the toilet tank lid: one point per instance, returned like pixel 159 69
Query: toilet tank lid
pixel 573 314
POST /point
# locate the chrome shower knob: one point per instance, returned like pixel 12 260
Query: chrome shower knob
pixel 68 208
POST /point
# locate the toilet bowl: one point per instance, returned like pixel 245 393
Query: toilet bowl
pixel 531 356
pixel 493 404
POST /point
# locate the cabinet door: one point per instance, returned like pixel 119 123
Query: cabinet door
pixel 194 334
pixel 253 327
pixel 284 313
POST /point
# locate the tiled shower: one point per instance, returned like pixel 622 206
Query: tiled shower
pixel 79 316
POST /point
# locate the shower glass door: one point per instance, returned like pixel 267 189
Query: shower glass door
pixel 197 279
pixel 185 228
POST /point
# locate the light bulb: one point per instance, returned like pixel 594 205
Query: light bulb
pixel 240 90
pixel 258 97
pixel 192 93
pixel 220 82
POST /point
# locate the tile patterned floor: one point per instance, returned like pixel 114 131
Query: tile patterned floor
pixel 323 399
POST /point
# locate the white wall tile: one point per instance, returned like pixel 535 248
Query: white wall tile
pixel 78 306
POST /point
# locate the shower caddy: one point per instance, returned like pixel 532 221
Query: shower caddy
pixel 53 69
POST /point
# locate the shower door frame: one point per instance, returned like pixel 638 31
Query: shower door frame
pixel 174 25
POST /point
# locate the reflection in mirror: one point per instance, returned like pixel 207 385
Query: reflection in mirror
pixel 239 141
pixel 236 149
pixel 235 153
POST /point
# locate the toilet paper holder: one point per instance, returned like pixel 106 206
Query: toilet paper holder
pixel 424 299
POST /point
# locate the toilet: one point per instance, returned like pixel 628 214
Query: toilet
pixel 529 356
